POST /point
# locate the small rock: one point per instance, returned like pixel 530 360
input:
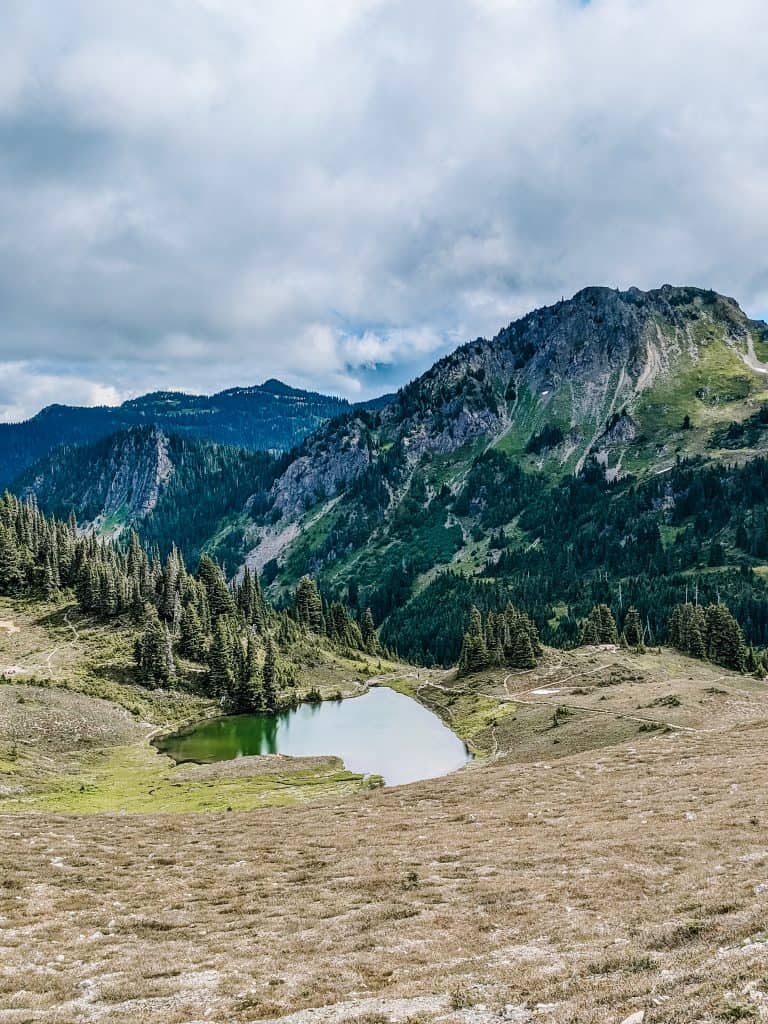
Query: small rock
pixel 635 1018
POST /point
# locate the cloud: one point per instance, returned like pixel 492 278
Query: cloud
pixel 202 193
pixel 25 389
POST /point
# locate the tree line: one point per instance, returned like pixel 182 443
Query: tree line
pixel 243 643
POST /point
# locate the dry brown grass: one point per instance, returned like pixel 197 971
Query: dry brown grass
pixel 580 889
pixel 590 871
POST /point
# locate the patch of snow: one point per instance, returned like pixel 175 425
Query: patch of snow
pixel 543 690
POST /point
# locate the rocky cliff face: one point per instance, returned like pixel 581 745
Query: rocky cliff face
pixel 589 366
pixel 136 472
pixel 120 485
pixel 319 470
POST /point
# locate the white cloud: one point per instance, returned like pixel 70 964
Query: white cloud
pixel 211 192
pixel 24 390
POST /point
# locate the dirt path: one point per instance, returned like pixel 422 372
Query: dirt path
pixel 515 698
pixel 44 663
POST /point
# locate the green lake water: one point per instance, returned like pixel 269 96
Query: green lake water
pixel 380 733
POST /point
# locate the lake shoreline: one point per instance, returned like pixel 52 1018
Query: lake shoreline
pixel 395 736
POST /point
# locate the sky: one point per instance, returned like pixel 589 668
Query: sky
pixel 198 194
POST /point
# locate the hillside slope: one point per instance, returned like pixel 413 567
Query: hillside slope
pixel 567 408
pixel 619 882
pixel 608 448
pixel 170 489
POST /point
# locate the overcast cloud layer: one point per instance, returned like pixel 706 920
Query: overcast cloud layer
pixel 202 193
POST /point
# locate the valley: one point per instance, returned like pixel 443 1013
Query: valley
pixel 603 855
pixel 548 553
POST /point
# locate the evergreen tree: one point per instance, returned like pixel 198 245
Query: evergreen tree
pixel 633 628
pixel 11 575
pixel 154 653
pixel 474 654
pixel 269 677
pixel 221 659
pixel 191 639
pixel 368 632
pixel 608 632
pixel 521 650
pixel 308 605
pixel 590 630
pixel 220 600
pixel 725 640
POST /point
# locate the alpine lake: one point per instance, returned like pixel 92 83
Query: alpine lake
pixel 382 733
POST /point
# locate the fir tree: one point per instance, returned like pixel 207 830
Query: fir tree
pixel 474 654
pixel 220 600
pixel 10 563
pixel 368 632
pixel 191 639
pixel 154 653
pixel 521 650
pixel 221 659
pixel 269 677
pixel 633 628
pixel 308 605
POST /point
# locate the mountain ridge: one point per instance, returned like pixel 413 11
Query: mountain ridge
pixel 265 417
pixel 582 405
pixel 507 387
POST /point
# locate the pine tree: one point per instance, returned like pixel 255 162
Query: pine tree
pixel 191 639
pixel 220 600
pixel 154 653
pixel 269 677
pixel 474 654
pixel 368 631
pixel 590 631
pixel 308 605
pixel 245 695
pixel 724 639
pixel 633 628
pixel 11 575
pixel 221 659
pixel 521 653
pixel 608 632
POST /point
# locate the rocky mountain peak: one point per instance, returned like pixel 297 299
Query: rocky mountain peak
pixel 587 366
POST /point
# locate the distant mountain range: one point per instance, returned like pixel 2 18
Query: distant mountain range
pixel 267 417
pixel 616 439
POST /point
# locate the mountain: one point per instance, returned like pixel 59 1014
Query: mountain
pixel 171 489
pixel 607 448
pixel 475 464
pixel 267 417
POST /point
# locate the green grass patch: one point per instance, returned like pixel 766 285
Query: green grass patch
pixel 138 779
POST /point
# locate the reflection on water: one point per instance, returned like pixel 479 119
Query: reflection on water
pixel 381 733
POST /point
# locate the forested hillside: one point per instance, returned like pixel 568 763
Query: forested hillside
pixel 187 621
pixel 172 490
pixel 608 449
pixel 267 417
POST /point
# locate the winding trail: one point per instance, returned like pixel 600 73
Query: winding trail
pixel 515 698
pixel 44 660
